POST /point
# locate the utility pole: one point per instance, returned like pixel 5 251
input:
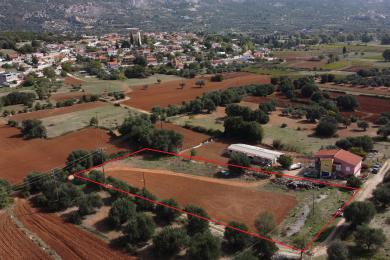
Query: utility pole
pixel 144 180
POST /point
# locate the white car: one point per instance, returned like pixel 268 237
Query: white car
pixel 295 166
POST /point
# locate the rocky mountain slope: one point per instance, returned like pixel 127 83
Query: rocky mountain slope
pixel 212 15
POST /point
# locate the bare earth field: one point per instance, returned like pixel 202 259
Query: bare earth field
pixel 223 200
pixel 190 138
pixel 212 151
pixel 63 96
pixel 57 111
pixel 18 157
pixel 369 108
pixel 171 93
pixel 14 244
pixel 66 239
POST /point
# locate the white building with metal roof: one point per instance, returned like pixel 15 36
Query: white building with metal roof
pixel 257 154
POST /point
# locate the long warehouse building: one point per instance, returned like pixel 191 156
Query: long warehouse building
pixel 257 154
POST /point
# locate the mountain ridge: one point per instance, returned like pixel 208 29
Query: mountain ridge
pixel 203 15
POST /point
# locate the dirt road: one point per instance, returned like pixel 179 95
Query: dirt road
pixel 364 194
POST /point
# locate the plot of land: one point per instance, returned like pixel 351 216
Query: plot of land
pixel 66 239
pixel 93 85
pixel 190 138
pixel 18 157
pixel 212 151
pixel 14 244
pixel 171 93
pixel 223 200
pixel 369 108
pixel 57 111
pixel 109 116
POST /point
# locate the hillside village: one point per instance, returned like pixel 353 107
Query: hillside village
pixel 175 50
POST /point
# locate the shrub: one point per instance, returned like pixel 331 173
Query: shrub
pixel 277 144
pixel 33 128
pixel 354 182
pixel 204 246
pixel 337 251
pixel 217 78
pixel 327 127
pixel 195 224
pixel 265 223
pixel 169 242
pixel 166 214
pixel 122 209
pixel 238 159
pixel 359 212
pixel 369 237
pixel 236 240
pixel 13 123
pixel 285 161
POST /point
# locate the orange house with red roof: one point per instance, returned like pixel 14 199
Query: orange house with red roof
pixel 338 163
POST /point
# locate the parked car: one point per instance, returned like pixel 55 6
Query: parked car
pixel 295 166
pixel 311 174
pixel 375 170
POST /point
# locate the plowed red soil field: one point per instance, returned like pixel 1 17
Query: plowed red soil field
pixel 369 108
pixel 280 100
pixel 18 157
pixel 190 138
pixel 14 244
pixel 171 93
pixel 65 239
pixel 57 111
pixel 223 200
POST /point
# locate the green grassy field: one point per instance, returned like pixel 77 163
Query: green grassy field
pixel 175 164
pixel 96 86
pixel 208 122
pixel 294 138
pixel 109 116
pixel 338 65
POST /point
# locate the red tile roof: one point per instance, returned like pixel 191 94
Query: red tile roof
pixel 326 153
pixel 348 157
pixel 341 155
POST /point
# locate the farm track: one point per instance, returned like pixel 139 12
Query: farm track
pixel 66 239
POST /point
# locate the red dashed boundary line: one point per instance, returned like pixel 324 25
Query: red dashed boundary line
pixel 304 250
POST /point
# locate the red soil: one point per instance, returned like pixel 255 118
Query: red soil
pixel 369 108
pixel 171 93
pixel 212 151
pixel 18 157
pixel 64 96
pixel 280 100
pixel 69 241
pixel 14 244
pixel 223 200
pixel 72 81
pixel 57 111
pixel 190 138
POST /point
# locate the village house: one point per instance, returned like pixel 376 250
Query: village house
pixel 337 163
